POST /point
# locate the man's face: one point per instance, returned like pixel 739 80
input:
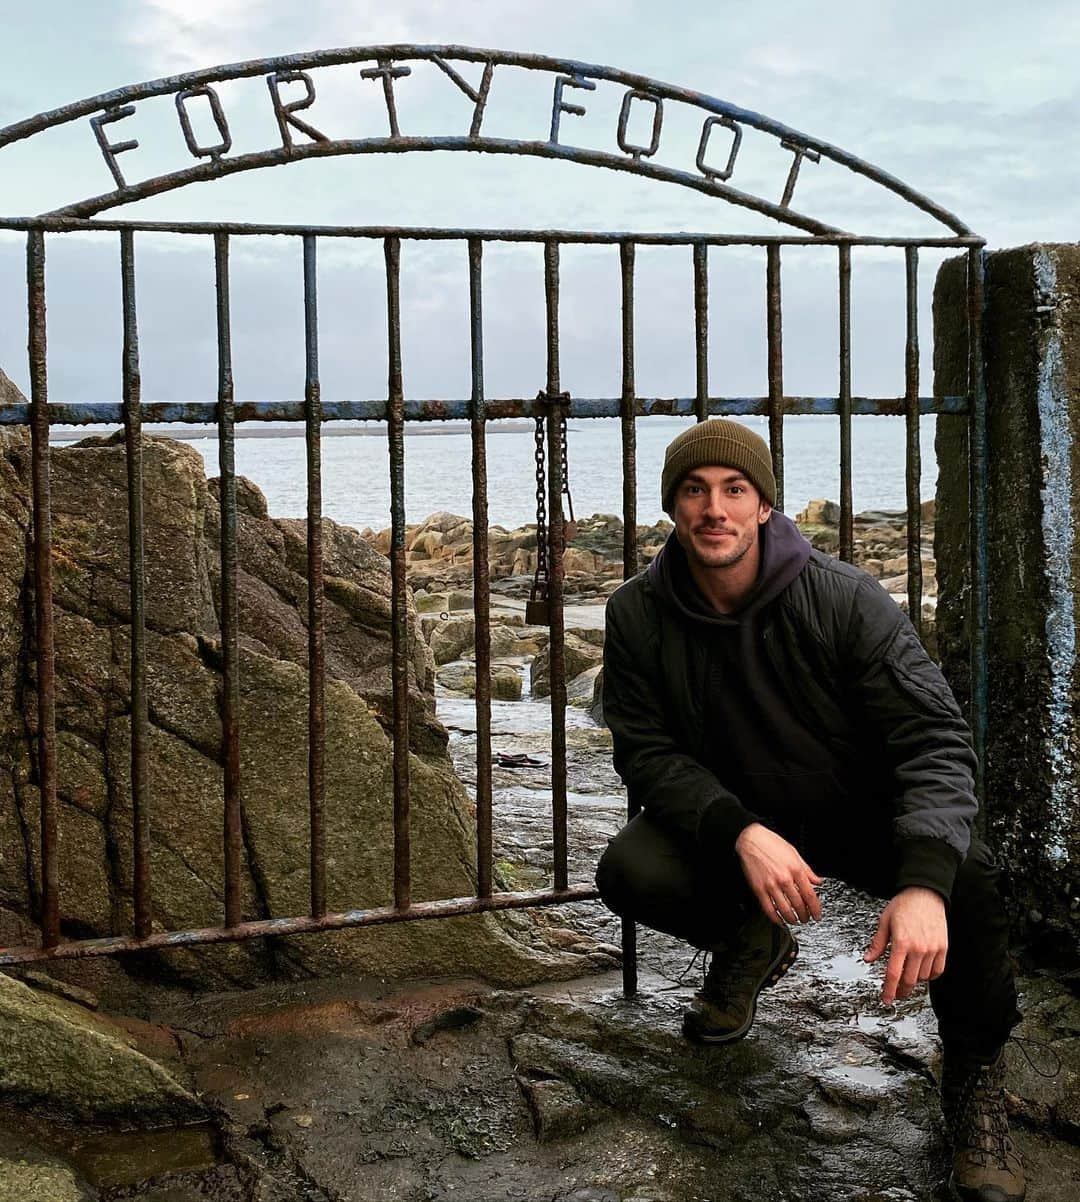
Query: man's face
pixel 717 512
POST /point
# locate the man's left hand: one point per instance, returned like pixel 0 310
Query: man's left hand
pixel 913 926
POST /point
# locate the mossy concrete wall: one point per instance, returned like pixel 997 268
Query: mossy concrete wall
pixel 1032 354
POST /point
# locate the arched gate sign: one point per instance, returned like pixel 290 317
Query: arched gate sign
pixel 207 149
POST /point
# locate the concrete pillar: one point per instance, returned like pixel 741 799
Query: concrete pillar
pixel 1032 352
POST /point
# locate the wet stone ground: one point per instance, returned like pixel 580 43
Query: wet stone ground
pixel 350 1091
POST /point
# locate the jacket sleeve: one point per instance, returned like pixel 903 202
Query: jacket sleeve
pixel 673 787
pixel 901 693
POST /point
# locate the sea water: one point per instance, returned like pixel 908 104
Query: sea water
pixel 356 480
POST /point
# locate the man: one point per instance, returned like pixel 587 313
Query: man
pixel 775 717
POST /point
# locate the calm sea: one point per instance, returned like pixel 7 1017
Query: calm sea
pixel 356 488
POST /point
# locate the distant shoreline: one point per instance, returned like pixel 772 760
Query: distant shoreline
pixel 196 433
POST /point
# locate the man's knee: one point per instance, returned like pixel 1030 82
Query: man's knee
pixel 633 880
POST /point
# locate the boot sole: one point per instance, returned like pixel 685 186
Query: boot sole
pixel 776 970
pixel 963 1194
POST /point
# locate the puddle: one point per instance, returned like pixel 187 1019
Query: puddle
pixel 847 967
pixel 868 1075
pixel 121 1158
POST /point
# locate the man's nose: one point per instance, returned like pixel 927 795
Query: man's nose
pixel 715 503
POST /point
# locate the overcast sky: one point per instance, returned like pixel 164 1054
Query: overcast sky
pixel 974 105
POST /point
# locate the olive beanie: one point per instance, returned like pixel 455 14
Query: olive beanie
pixel 718 442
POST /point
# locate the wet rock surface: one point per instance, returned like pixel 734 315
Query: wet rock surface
pixel 450 1089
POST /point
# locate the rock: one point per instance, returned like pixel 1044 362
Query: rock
pixel 505 683
pixel 451 638
pixel 874 566
pixel 819 513
pixel 507 642
pixel 183 663
pixel 580 691
pixel 894 567
pixel 459 600
pixel 459 677
pixel 69 1063
pixel 578 655
pixel 558 1110
pixel 431 603
pixel 30 1174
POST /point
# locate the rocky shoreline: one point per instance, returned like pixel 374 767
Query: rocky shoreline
pixel 439 555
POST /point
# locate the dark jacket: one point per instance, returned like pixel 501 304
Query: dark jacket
pixel 815 704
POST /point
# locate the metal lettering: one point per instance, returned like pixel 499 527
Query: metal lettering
pixel 111 149
pixel 204 152
pixel 559 106
pixel 387 72
pixel 286 113
pixel 480 98
pixel 703 146
pixel 801 152
pixel 630 148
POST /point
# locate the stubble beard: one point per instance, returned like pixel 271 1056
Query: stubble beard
pixel 714 557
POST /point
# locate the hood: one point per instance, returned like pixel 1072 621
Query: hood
pixel 784 553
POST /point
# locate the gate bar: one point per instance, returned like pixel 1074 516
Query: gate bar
pixel 449 233
pixel 556 532
pixel 481 576
pixel 977 466
pixel 774 317
pixel 914 453
pixel 230 656
pixel 847 536
pixel 398 627
pixel 316 654
pixel 206 412
pixel 82 949
pixel 701 329
pixel 140 812
pixel 43 593
pixel 629 477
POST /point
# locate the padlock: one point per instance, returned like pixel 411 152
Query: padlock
pixel 537 613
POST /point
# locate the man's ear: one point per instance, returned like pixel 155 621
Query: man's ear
pixel 764 513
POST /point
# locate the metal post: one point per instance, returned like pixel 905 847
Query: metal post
pixel 43 608
pixel 847 533
pixel 140 811
pixel 316 654
pixel 399 627
pixel 774 316
pixel 913 459
pixel 230 655
pixel 556 637
pixel 481 577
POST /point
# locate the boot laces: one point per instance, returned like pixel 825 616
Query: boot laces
pixel 981 1125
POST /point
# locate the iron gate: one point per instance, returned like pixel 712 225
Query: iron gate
pixel 719 119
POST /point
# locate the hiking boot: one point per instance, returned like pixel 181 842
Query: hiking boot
pixel 986 1166
pixel 756 957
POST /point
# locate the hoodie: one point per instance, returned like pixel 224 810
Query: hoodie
pixel 764 752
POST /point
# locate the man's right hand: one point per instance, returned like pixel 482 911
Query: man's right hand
pixel 780 878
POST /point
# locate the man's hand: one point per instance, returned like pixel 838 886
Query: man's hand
pixel 780 878
pixel 914 924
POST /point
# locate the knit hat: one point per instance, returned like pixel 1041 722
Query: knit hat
pixel 718 442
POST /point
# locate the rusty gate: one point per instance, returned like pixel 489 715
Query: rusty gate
pixel 714 172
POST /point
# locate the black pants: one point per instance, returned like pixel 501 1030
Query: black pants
pixel 647 875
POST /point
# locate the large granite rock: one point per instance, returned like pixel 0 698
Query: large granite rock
pixel 68 1062
pixel 91 606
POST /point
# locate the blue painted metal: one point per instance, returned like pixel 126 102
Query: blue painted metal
pixel 86 413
